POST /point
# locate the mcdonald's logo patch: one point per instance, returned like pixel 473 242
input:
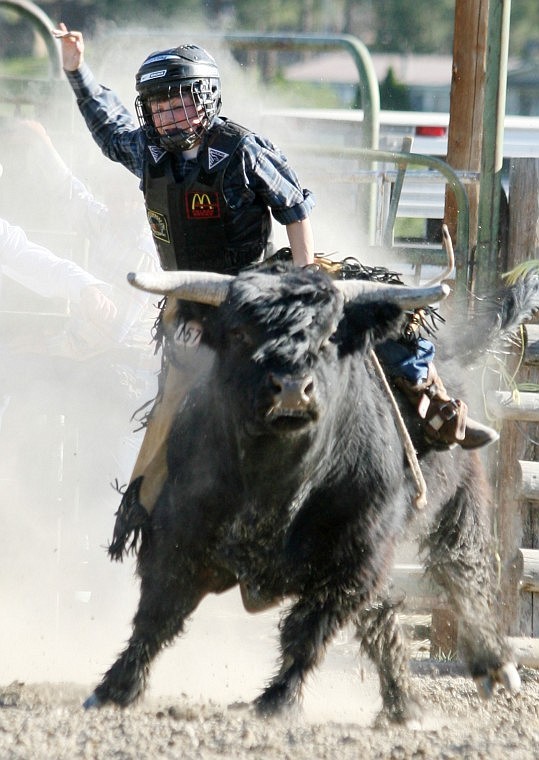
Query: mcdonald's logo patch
pixel 203 205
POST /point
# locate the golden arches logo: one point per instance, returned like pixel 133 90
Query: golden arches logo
pixel 201 201
pixel 203 205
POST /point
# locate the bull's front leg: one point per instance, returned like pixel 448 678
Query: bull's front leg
pixel 305 633
pixel 165 602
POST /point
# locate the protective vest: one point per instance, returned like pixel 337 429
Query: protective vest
pixel 192 224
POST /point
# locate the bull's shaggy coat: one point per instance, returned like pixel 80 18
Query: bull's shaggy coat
pixel 287 474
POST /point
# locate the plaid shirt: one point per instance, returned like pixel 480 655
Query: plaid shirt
pixel 259 169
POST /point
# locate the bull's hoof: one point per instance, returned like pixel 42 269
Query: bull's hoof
pixel 484 686
pixel 507 676
pixel 409 715
pixel 92 702
pixel 275 701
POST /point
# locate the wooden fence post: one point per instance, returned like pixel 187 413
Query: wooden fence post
pixel 467 100
pixel 514 465
pixel 517 519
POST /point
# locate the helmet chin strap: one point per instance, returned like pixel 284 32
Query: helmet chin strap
pixel 180 145
pixel 178 141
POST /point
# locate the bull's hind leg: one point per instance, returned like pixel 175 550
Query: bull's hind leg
pixel 165 602
pixel 382 640
pixel 460 558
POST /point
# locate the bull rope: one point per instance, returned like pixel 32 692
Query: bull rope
pixel 411 455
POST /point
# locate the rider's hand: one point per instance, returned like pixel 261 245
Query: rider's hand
pixel 72 47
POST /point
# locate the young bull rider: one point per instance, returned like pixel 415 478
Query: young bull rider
pixel 210 188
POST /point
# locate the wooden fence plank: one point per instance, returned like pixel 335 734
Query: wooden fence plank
pixel 529 485
pixel 409 584
pixel 504 405
pixel 410 580
pixel 531 351
pixel 530 572
pixel 526 651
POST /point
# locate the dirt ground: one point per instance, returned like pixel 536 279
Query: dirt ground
pixel 205 714
pixel 63 624
pixel 46 722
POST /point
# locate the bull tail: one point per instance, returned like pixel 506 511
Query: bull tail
pixel 521 296
pixel 497 318
pixel 132 523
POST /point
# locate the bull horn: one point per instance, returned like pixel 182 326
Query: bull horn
pixel 450 265
pixel 407 298
pixel 203 287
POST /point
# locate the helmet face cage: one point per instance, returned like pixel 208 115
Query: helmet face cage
pixel 160 123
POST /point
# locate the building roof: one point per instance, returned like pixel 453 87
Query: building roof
pixel 339 67
pixel 525 75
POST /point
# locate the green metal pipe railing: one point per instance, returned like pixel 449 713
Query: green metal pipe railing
pixel 452 179
pixel 369 130
pixel 492 148
pixel 400 159
pixel 43 26
pixel 388 231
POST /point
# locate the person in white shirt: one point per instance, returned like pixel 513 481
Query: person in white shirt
pixel 40 270
pixel 110 232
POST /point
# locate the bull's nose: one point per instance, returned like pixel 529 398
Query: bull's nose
pixel 290 392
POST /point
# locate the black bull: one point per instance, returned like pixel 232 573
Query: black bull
pixel 287 474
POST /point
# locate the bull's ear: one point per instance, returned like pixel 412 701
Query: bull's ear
pixel 366 325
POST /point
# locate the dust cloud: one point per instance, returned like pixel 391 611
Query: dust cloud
pixel 69 390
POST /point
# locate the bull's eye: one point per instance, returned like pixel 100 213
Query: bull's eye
pixel 327 341
pixel 241 336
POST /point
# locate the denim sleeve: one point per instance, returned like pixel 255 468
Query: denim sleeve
pixel 407 360
pixel 110 123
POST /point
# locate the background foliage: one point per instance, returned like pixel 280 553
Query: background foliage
pixel 393 26
pixel 421 26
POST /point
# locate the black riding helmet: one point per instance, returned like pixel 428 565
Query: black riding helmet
pixel 174 73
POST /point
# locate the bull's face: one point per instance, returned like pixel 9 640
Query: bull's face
pixel 284 340
pixel 275 337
